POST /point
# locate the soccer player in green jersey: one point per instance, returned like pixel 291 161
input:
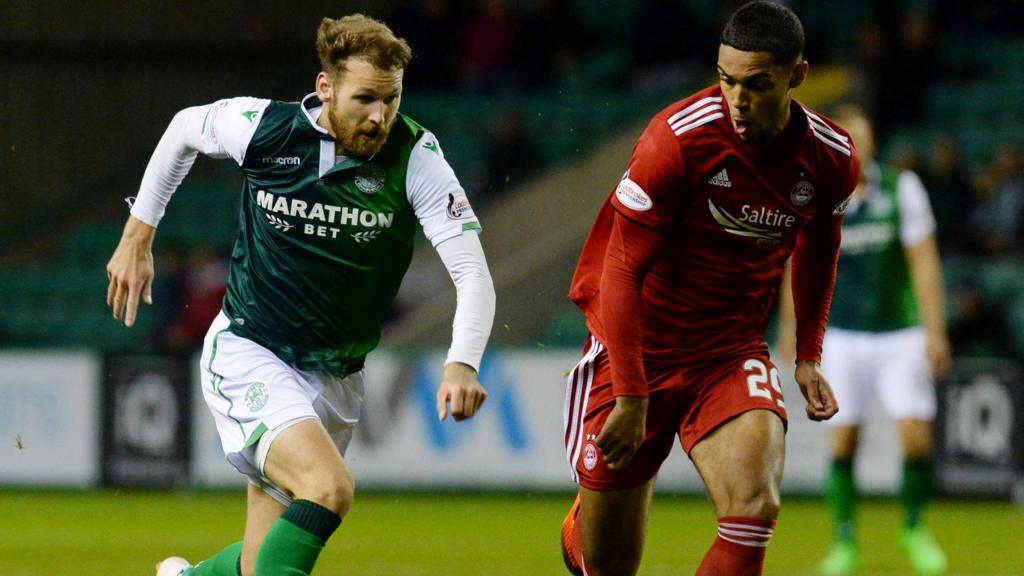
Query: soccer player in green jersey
pixel 887 336
pixel 333 188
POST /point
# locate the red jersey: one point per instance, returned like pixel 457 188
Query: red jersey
pixel 726 216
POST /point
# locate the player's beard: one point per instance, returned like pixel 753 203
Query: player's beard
pixel 348 136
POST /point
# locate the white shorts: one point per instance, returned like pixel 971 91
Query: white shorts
pixel 893 365
pixel 254 395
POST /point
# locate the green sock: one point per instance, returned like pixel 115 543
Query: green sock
pixel 918 476
pixel 296 539
pixel 224 563
pixel 842 498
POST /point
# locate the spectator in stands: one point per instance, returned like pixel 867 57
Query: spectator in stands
pixel 949 190
pixel 206 276
pixel 997 220
pixel 488 48
pixel 509 157
pixel 432 28
pixel 551 43
pixel 669 43
pixel 976 326
pixel 168 298
pixel 904 37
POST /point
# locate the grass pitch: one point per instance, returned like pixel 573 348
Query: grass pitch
pixel 123 533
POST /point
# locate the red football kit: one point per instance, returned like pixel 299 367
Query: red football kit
pixel 681 267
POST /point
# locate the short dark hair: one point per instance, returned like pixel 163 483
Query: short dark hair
pixel 765 27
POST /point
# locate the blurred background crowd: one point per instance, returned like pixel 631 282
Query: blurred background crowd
pixel 516 90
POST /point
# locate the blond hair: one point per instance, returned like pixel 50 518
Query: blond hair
pixel 359 36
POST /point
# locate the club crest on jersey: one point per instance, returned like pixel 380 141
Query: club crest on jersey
pixel 370 178
pixel 802 193
pixel 589 456
pixel 632 196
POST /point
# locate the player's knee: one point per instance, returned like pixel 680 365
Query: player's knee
pixel 764 503
pixel 334 490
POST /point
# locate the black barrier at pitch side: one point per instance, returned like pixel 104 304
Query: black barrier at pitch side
pixel 146 422
pixel 979 436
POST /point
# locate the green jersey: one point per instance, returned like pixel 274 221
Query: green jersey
pixel 325 240
pixel 873 290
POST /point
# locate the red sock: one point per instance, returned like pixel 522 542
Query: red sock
pixel 739 548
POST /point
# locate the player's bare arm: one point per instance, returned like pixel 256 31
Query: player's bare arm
pixel 821 401
pixel 130 271
pixel 460 391
pixel 623 431
pixel 926 278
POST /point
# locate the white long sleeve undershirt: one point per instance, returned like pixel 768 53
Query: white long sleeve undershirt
pixel 463 257
pixel 169 164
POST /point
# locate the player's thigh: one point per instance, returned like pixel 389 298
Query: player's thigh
pixel 614 523
pixel 848 366
pixel 262 510
pixel 905 384
pixel 305 461
pixel 741 463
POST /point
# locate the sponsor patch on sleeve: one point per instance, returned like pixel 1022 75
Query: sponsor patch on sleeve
pixel 632 196
pixel 459 208
pixel 841 207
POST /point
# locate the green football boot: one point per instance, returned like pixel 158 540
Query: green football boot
pixel 926 556
pixel 842 560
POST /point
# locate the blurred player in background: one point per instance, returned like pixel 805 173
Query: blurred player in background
pixel 676 280
pixel 887 336
pixel 333 188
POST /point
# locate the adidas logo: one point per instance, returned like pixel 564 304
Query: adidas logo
pixel 721 179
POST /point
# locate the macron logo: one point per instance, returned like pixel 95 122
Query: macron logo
pixel 282 160
pixel 721 179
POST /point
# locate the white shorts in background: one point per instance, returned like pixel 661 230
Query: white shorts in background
pixel 892 365
pixel 254 396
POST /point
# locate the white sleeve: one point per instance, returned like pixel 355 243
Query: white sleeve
pixel 463 257
pixel 220 130
pixel 434 192
pixel 916 219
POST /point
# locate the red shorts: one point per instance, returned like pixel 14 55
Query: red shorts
pixel 690 401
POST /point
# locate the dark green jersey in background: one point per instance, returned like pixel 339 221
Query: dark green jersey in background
pixel 873 290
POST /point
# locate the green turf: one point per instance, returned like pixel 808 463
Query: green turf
pixel 122 533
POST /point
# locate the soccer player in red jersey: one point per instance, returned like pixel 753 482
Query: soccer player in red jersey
pixel 676 280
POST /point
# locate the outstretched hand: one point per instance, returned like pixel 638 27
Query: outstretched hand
pixel 130 271
pixel 821 401
pixel 623 432
pixel 460 390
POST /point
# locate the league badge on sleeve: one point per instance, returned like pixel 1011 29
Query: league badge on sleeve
pixel 632 196
pixel 458 207
pixel 841 207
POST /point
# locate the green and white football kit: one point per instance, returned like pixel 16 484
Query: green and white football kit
pixel 323 244
pixel 875 343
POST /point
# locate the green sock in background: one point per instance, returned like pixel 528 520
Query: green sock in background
pixel 224 563
pixel 842 497
pixel 918 479
pixel 294 542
